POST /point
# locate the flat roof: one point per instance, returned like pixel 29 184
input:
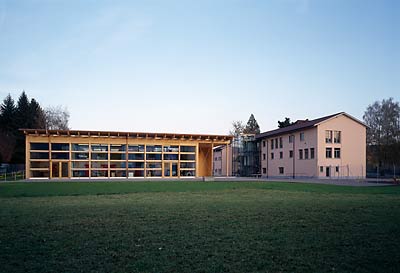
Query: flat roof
pixel 141 135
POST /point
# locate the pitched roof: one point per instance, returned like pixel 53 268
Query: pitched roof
pixel 303 124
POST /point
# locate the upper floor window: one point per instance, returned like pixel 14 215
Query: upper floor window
pixel 291 138
pixel 328 152
pixel 306 153
pixel 272 155
pixel 336 136
pixel 272 144
pixel 263 143
pixel 280 143
pixel 300 154
pixel 301 136
pixel 263 156
pixel 312 153
pixel 276 143
pixel 337 152
pixel 280 154
pixel 328 136
pixel 290 154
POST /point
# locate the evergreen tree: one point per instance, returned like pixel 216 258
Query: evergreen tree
pixel 37 115
pixel 7 117
pixel 252 126
pixel 23 116
pixel 285 123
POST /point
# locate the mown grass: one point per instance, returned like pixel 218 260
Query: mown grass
pixel 198 227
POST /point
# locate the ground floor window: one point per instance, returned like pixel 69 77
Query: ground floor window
pixel 281 170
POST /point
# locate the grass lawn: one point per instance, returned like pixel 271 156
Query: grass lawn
pixel 198 227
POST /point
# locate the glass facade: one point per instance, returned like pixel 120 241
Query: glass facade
pixel 85 160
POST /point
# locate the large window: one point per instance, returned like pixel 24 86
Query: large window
pixel 153 148
pixel 117 164
pixel 153 156
pixel 117 148
pixel 99 147
pixel 171 149
pixel 170 156
pixel 337 136
pixel 136 165
pixel 80 156
pixel 188 149
pixel 328 152
pixel 99 156
pixel 60 146
pixel 328 136
pixel 38 155
pixel 117 156
pixel 136 156
pixel 136 148
pixel 40 146
pixel 80 147
pixel 80 164
pixel 188 157
pixel 312 153
pixel 39 164
pixel 100 164
pixel 59 155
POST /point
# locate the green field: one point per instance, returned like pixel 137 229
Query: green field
pixel 198 227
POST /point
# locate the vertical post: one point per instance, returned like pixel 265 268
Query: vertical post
pixel 294 156
pixel 227 160
pixel 27 155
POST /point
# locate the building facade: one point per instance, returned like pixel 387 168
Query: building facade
pixel 329 147
pixel 99 154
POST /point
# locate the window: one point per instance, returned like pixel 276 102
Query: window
pixel 305 153
pixel 117 148
pixel 328 136
pixel 40 146
pixel 99 147
pixel 276 143
pixel 312 153
pixel 280 143
pixel 321 169
pixel 301 136
pixel 171 149
pixel 337 169
pixel 272 155
pixel 60 146
pixel 280 155
pixel 291 138
pixel 272 144
pixel 154 148
pixel 101 156
pixel 174 157
pixel 336 136
pixel 59 155
pixel 136 148
pixel 115 156
pixel 80 147
pixel 263 143
pixel 188 157
pixel 291 154
pixel 263 156
pixel 188 149
pixel 337 152
pixel 40 155
pixel 281 170
pixel 328 153
pixel 153 156
pixel 264 170
pixel 135 156
pixel 300 154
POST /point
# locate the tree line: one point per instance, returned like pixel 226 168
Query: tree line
pixel 25 114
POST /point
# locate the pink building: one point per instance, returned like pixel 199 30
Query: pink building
pixel 329 147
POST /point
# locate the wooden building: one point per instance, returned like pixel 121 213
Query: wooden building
pixel 99 154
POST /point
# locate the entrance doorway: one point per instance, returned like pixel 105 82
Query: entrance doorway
pixel 170 169
pixel 59 169
pixel 328 171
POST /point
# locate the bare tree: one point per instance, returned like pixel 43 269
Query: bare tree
pixel 57 118
pixel 237 128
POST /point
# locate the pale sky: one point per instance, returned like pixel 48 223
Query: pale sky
pixel 195 66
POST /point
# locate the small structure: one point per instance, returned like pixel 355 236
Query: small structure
pixel 100 154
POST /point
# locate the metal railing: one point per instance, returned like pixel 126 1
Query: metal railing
pixel 12 176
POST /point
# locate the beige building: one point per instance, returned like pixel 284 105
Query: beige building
pixel 99 154
pixel 222 165
pixel 329 147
